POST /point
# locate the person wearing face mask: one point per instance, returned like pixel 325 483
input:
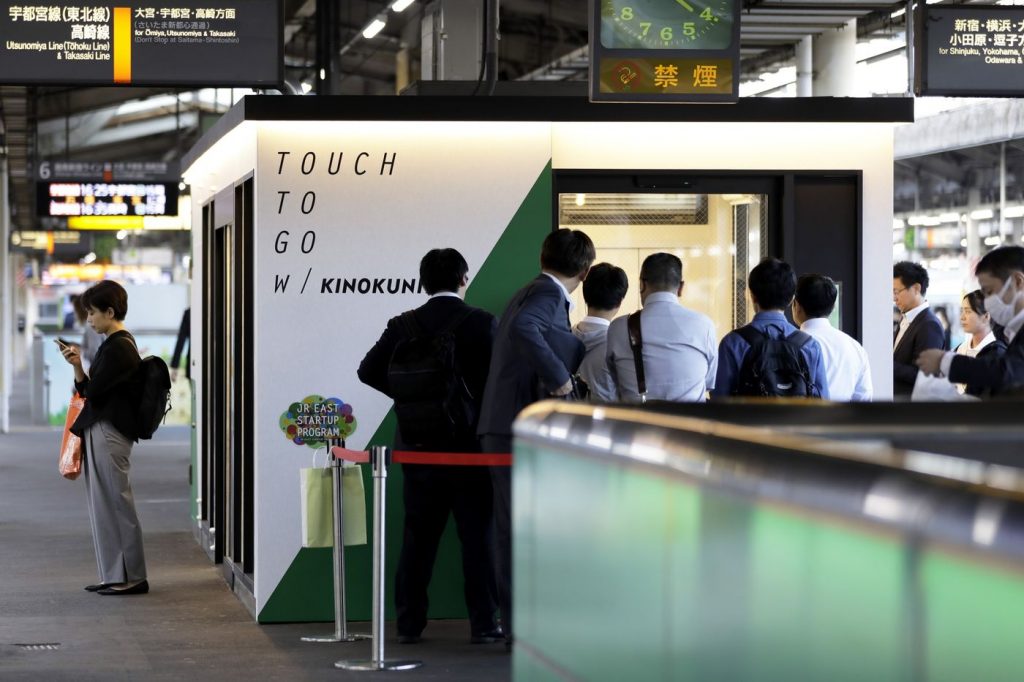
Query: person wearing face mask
pixel 919 329
pixel 981 339
pixel 1001 276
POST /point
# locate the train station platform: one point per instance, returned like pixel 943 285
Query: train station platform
pixel 190 626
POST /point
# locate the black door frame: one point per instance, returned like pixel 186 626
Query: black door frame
pixel 227 509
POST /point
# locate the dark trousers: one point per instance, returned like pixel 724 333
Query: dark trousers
pixel 501 478
pixel 430 493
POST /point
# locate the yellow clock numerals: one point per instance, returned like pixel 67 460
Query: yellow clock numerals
pixel 626 14
pixel 708 15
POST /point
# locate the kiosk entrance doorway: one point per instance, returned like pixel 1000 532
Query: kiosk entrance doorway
pixel 719 236
pixel 720 225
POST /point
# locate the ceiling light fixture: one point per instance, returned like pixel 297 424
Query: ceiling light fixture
pixel 375 26
pixel 399 5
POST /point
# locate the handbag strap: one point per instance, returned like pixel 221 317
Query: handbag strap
pixel 636 342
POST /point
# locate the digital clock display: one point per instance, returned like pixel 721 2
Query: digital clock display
pixel 667 24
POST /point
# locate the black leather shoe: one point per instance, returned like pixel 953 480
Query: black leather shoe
pixel 409 639
pixel 488 637
pixel 138 588
pixel 97 587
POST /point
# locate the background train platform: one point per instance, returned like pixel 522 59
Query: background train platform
pixel 190 626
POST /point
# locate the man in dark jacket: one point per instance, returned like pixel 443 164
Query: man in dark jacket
pixel 919 328
pixel 431 492
pixel 535 355
pixel 1001 278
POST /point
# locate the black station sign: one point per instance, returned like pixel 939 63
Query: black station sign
pixel 108 171
pixel 68 198
pixel 664 50
pixel 196 43
pixel 969 51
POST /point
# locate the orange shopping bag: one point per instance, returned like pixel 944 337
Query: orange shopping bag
pixel 70 463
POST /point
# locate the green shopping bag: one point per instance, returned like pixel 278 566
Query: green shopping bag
pixel 318 506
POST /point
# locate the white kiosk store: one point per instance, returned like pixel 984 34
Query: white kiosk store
pixel 312 213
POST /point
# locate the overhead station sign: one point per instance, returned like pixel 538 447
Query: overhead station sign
pixel 107 198
pixel 108 171
pixel 664 50
pixel 969 51
pixel 187 43
pixel 107 188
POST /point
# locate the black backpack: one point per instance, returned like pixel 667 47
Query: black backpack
pixel 432 402
pixel 775 366
pixel 154 395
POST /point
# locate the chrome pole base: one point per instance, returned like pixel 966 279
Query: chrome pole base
pixel 387 664
pixel 350 637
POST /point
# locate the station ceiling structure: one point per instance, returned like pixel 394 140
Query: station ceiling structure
pixel 540 40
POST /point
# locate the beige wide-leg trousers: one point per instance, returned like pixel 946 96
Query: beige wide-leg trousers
pixel 116 532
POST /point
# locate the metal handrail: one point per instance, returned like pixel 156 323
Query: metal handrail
pixel 933 496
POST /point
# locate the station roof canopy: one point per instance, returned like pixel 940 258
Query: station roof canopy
pixel 540 40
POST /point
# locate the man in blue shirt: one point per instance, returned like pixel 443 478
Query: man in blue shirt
pixel 772 284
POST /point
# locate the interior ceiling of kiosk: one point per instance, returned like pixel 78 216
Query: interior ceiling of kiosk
pixel 632 209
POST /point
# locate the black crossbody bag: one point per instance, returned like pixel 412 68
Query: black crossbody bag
pixel 636 342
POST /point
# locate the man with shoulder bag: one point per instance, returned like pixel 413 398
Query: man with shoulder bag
pixel 433 361
pixel 665 351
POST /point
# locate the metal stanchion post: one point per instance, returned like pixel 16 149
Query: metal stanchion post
pixel 341 633
pixel 378 460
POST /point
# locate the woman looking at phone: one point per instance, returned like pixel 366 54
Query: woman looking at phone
pixel 107 427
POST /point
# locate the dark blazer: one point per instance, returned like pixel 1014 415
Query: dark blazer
pixel 184 334
pixel 991 372
pixel 535 352
pixel 473 339
pixel 923 333
pixel 111 390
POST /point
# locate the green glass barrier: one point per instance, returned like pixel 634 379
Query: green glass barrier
pixel 624 571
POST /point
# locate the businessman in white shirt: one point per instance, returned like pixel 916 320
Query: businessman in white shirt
pixel 845 360
pixel 680 348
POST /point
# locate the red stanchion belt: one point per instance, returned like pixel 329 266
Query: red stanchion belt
pixel 358 456
pixel 446 458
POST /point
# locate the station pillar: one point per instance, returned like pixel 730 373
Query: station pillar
pixel 834 58
pixel 804 67
pixel 451 33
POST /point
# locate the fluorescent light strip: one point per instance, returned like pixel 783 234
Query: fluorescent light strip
pixel 374 28
pixel 399 5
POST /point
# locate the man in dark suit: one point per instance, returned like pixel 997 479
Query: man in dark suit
pixel 431 492
pixel 184 336
pixel 919 328
pixel 1001 278
pixel 535 354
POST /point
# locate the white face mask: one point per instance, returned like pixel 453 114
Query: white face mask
pixel 1001 312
